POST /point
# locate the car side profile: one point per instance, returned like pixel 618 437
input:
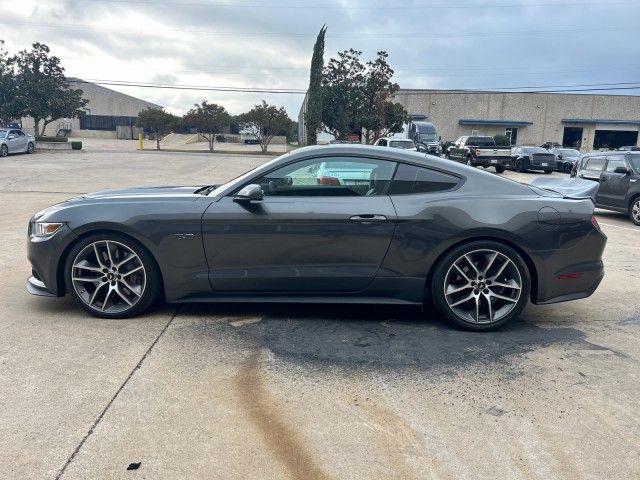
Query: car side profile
pixel 618 176
pixel 332 224
pixel 15 141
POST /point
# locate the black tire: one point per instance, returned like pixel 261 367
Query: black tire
pixel 4 151
pixel 437 287
pixel 567 168
pixel 469 162
pixel 500 169
pixel 520 166
pixel 30 147
pixel 152 287
pixel 635 203
pixel 548 171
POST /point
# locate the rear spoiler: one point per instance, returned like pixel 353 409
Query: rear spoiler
pixel 575 188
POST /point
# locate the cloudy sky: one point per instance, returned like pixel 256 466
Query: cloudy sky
pixel 472 44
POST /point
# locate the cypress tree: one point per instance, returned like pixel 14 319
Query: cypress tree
pixel 313 117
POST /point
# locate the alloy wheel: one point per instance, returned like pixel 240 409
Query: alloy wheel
pixel 4 151
pixel 30 148
pixel 635 212
pixel 108 276
pixel 482 286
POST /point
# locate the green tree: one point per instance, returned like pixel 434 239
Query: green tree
pixel 43 88
pixel 10 106
pixel 158 122
pixel 265 121
pixel 502 140
pixel 313 116
pixel 356 97
pixel 209 119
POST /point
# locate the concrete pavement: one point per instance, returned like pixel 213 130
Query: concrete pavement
pixel 305 391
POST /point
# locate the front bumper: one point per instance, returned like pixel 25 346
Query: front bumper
pixel 45 255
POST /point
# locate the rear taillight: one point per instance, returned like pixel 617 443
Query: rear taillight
pixel 477 152
pixel 328 181
pixel 594 222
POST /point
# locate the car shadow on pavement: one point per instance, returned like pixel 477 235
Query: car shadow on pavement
pixel 356 336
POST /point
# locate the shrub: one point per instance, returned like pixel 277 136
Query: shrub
pixel 76 145
pixel 502 140
pixel 52 139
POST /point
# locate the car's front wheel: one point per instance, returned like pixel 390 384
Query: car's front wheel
pixel 112 276
pixel 634 211
pixel 30 147
pixel 481 285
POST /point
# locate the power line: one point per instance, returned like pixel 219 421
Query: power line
pixel 436 35
pixel 541 88
pixel 326 6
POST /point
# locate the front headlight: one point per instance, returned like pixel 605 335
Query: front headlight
pixel 45 229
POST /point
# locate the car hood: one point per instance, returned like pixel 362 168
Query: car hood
pixel 163 191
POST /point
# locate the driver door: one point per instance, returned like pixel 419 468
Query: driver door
pixel 323 225
pixel 614 186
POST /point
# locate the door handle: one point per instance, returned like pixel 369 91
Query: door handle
pixel 368 218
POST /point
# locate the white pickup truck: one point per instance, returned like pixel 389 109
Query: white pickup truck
pixel 480 151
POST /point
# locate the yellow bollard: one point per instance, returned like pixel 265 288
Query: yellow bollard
pixel 140 143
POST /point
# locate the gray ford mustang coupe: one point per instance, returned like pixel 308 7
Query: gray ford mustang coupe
pixel 331 224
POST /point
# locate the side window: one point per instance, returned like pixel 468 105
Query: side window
pixel 411 179
pixel 382 142
pixel 615 162
pixel 20 133
pixel 594 164
pixel 329 177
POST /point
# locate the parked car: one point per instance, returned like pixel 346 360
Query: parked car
pixel 425 137
pixel 278 234
pixel 618 174
pixel 566 158
pixel 629 148
pixel 15 141
pixel 480 151
pixel 402 143
pixel 532 158
pixel 550 145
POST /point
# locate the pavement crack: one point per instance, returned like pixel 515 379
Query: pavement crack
pixel 62 471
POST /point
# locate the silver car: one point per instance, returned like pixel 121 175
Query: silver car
pixel 15 141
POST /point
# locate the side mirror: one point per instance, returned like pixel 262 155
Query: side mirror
pixel 623 170
pixel 249 193
pixel 559 157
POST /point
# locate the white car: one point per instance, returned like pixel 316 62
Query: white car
pixel 402 143
pixel 13 140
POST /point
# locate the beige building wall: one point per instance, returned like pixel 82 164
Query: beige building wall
pixel 544 110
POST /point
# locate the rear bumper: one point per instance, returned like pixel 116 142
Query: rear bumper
pixel 490 162
pixel 571 273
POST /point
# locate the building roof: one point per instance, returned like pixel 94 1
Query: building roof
pixel 600 120
pixel 498 123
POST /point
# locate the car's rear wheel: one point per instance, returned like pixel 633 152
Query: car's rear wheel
pixel 548 171
pixel 30 148
pixel 481 285
pixel 112 276
pixel 4 151
pixel 500 169
pixel 634 211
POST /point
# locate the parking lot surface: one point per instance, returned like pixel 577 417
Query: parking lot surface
pixel 305 391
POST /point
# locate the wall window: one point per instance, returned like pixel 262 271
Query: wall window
pixel 512 133
pixel 105 122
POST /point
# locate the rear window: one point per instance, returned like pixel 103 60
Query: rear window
pixel 481 141
pixel 535 150
pixel 411 179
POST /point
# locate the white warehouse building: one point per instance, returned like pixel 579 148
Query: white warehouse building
pixel 109 114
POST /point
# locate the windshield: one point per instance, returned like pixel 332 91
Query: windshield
pixel 3 133
pixel 535 150
pixel 569 152
pixel 427 137
pixel 245 175
pixel 404 144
